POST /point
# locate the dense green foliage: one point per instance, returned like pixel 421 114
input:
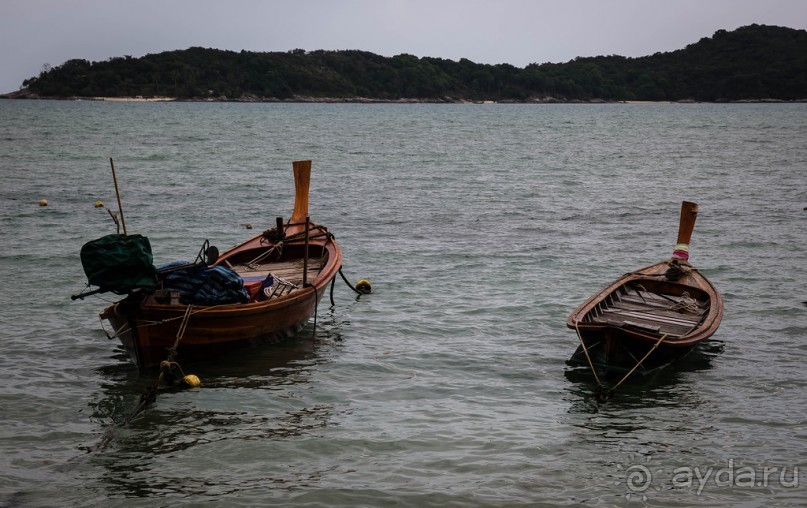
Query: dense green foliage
pixel 752 62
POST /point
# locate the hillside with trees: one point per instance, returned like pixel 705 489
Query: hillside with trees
pixel 755 62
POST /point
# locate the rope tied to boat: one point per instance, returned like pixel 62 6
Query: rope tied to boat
pixel 362 287
pixel 675 270
pixel 603 396
pixel 115 333
pixel 603 393
pixel 588 357
pixel 686 304
pixel 272 235
pixel 276 247
pixel 124 328
pixel 167 368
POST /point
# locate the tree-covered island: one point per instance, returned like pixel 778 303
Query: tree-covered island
pixel 752 63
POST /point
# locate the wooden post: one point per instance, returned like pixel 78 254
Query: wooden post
pixel 305 255
pixel 279 223
pixel 117 194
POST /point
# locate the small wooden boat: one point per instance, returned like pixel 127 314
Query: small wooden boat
pixel 651 316
pixel 285 272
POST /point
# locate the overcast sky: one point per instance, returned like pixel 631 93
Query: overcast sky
pixel 519 32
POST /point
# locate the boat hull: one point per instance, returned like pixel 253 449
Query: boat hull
pixel 618 354
pixel 208 332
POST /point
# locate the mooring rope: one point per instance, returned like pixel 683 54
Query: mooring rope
pixel 264 255
pixel 115 333
pixel 150 394
pixel 163 321
pixel 316 310
pixel 585 350
pixel 660 340
pixel 604 393
pixel 686 304
pixel 348 283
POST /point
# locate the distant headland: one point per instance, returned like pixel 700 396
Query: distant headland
pixel 755 63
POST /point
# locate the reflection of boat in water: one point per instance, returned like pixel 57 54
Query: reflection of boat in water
pixel 253 397
pixel 273 283
pixel 650 317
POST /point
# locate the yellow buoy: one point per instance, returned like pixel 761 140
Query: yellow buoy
pixel 99 204
pixel 363 286
pixel 43 202
pixel 192 381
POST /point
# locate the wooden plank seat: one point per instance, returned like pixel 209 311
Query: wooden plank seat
pixel 288 276
pixel 651 312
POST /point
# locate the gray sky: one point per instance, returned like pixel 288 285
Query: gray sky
pixel 518 32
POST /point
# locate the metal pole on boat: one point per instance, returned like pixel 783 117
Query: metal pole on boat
pixel 305 254
pixel 117 194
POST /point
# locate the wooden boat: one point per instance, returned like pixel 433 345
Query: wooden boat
pixel 302 258
pixel 651 316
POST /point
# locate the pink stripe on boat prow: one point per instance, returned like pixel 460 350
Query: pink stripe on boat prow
pixel 681 251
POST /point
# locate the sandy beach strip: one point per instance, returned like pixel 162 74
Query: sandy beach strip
pixel 133 99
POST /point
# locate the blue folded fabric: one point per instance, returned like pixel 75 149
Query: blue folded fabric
pixel 204 285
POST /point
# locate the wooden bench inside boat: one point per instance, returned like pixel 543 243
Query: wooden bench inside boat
pixel 288 275
pixel 648 311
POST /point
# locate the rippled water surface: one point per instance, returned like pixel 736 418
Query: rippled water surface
pixel 481 228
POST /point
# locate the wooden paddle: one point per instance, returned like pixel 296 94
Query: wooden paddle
pixel 689 212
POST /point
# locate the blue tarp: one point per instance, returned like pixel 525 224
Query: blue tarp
pixel 204 285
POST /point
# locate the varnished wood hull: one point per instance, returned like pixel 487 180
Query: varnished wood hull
pixel 147 328
pixel 644 309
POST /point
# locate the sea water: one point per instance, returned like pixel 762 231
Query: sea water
pixel 481 227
